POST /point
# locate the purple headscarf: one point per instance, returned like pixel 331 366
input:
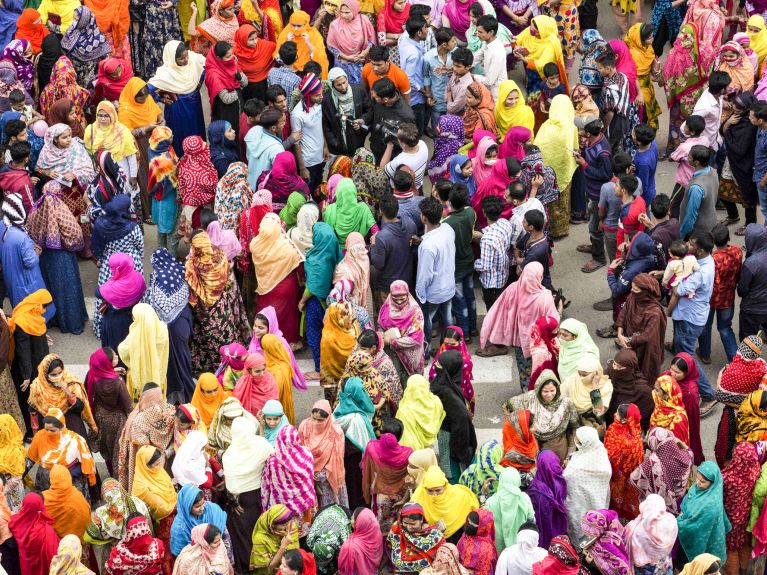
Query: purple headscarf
pixel 25 70
pixel 274 328
pixel 548 492
pixel 609 549
pixel 449 140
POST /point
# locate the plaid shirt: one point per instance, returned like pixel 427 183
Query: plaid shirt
pixel 727 264
pixel 493 262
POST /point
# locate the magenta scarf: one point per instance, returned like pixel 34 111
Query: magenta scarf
pixel 361 553
pixel 387 452
pixel 299 382
pixel 126 286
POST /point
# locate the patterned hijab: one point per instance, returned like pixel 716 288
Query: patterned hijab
pixel 83 40
pixel 168 291
pixel 51 223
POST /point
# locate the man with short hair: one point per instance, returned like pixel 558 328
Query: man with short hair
pixel 411 60
pixel 389 109
pixel 414 155
pixel 380 67
pixel 698 209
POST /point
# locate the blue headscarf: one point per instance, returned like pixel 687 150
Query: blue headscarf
pixel 457 177
pixel 184 522
pixel 273 408
pixel 321 260
pixel 114 225
pixel 703 523
pixel 223 151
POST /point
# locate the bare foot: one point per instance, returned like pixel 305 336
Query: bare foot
pixel 312 375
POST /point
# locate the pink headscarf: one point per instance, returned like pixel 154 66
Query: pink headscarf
pixel 274 328
pixel 225 240
pixel 512 143
pixel 254 393
pixel 126 286
pixel 361 553
pixel 512 316
pixel 626 65
pixel 350 37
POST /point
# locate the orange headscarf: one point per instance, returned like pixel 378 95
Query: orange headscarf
pixel 207 403
pixel 133 115
pixel 279 365
pixel 69 509
pixel 523 443
pixel 326 441
pixel 112 17
pixel 27 29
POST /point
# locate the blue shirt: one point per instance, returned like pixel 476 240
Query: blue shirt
pixel 695 308
pixel 760 154
pixel 695 196
pixel 411 61
pixel 435 280
pixel 646 163
pixel 437 80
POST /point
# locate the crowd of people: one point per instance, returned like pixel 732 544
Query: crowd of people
pixel 358 172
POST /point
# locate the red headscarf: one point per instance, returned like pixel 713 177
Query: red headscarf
pixel 219 74
pixel 361 553
pixel 33 530
pixel 197 178
pixel 27 29
pixel 254 392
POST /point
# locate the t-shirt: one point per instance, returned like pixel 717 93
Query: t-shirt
pixel 395 74
pixel 312 139
pixel 415 161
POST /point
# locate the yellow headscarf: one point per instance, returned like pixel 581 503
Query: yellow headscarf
pixel 751 419
pixel 758 39
pixel 279 365
pixel 557 138
pixel 544 48
pixel 643 55
pixel 153 485
pixel 452 506
pixel 317 52
pixel 207 403
pixel 421 413
pixel 133 115
pixel 115 138
pixel 12 452
pixel 518 115
pixel 145 350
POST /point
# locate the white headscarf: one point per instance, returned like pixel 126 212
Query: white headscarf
pixel 190 462
pixel 245 458
pixel 588 480
pixel 519 558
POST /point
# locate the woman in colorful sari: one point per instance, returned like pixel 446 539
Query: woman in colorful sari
pixel 52 227
pixel 669 410
pixel 605 549
pixel 650 537
pixel 639 40
pixel 12 464
pixel 685 77
pixel 65 504
pixel 276 523
pixel 623 441
pixel 176 83
pixel 520 446
pixel 138 552
pixel 555 138
pixel 85 45
pixel 350 38
pixel 401 319
pixel 339 336
pixel 703 523
pixel 63 84
pixel 32 529
pixel 215 298
pixel 413 541
pixel 450 503
pixel 421 412
pixel 666 469
pixel 739 479
pixel 588 479
pixel 548 493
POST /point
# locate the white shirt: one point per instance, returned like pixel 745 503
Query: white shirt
pixel 415 161
pixel 492 58
pixel 709 107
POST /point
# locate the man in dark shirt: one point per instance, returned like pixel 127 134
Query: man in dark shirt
pixel 533 246
pixel 462 220
pixel 388 104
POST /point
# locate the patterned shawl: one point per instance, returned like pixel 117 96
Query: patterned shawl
pixel 83 40
pixel 288 476
pixel 51 223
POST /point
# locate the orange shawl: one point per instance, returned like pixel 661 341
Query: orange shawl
pixel 69 509
pixel 519 442
pixel 326 442
pixel 279 365
pixel 337 341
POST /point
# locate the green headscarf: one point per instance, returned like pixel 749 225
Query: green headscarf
pixel 289 214
pixel 353 400
pixel 347 215
pixel 703 523
pixel 321 260
pixel 510 507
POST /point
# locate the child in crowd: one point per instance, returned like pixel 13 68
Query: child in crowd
pixel 553 86
pixel 680 266
pixel 645 159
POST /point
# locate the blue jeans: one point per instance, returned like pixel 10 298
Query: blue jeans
pixel 465 304
pixel 762 200
pixel 724 327
pixel 445 317
pixel 685 337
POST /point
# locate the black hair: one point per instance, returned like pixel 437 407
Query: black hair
pixel 402 181
pixel 459 196
pixel 535 219
pixel 181 414
pixel 442 35
pixel 492 206
pixel 607 59
pixel 431 210
pixel 629 182
pixel 221 48
pixel 718 82
pixel 472 524
pixel 393 426
pixel 56 363
pixel 701 154
pixel 516 191
pixel 16 96
pixel 312 67
pixel 660 206
pixel 384 88
pixel 678 248
pixel 621 163
pixel 288 53
pixel 703 240
pixel 721 235
pixel 270 118
pixel 489 23
pixel 550 70
pixel 644 133
pixel 253 107
pixel 211 533
pixel 50 420
pixel 14 127
pixel 414 24
pixel 465 57
pixel 696 124
pixel 443 187
pixel 207 215
pixel 275 91
pixel 476 10
pixel 155 456
pixel 20 151
pixel 759 109
pixel 379 54
pixel 408 133
pixel 389 206
pixel 294 560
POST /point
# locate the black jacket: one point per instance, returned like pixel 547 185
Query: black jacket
pixel 333 125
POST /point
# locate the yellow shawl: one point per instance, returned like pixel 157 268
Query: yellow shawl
pixel 557 138
pixel 452 506
pixel 115 138
pixel 153 485
pixel 518 115
pixel 145 350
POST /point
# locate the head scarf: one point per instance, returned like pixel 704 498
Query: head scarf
pixel 283 178
pixel 28 30
pixel 208 403
pixel 650 537
pixel 245 457
pixel 59 114
pixel 477 551
pixel 353 36
pixel 556 137
pixel 510 507
pixel 207 271
pixel 452 505
pixel 32 528
pixel 138 552
pixel 548 491
pixel 133 115
pixel 25 70
pixel 321 260
pixel 572 351
pixel 642 54
pixel 561 560
pixel 197 178
pixel 65 504
pixel 125 286
pixel 83 41
pixel 176 79
pixel 302 234
pixel 274 255
pixel 289 474
pixel 361 553
pixel 421 412
pixel 355 412
pixel 168 292
pixel 190 462
pixel 703 522
pixel 113 87
pixel 520 114
pixel 67 559
pixel 51 224
pixel 446 145
pixel 606 547
pixel 184 521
